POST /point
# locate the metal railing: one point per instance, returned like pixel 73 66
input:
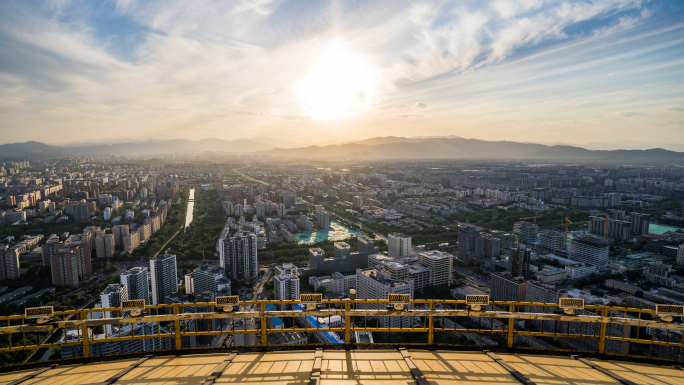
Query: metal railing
pixel 607 330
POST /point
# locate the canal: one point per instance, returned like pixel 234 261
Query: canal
pixel 191 208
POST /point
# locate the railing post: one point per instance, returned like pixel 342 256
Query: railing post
pixel 347 325
pixel 431 326
pixel 264 326
pixel 602 336
pixel 85 341
pixel 176 327
pixel 511 323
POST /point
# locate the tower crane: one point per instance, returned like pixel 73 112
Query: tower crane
pixel 535 219
pixel 605 225
pixel 567 222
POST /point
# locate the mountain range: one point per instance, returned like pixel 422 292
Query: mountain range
pixel 374 148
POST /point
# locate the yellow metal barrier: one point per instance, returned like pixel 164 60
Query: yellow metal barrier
pixel 498 323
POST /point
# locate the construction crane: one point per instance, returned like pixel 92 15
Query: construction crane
pixel 605 225
pixel 567 222
pixel 535 219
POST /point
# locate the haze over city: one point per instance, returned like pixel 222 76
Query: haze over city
pixel 306 72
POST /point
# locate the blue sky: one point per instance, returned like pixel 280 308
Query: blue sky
pixel 309 72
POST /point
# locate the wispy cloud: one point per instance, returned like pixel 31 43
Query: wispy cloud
pixel 629 114
pixel 155 68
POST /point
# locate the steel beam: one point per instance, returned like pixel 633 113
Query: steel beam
pixel 607 372
pixel 315 377
pixel 344 312
pixel 518 376
pixel 30 376
pixel 219 369
pixel 124 371
pixel 415 371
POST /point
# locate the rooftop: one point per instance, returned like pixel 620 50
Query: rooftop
pixel 352 367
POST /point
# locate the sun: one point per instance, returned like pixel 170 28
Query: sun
pixel 339 84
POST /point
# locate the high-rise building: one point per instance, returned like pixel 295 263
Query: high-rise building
pixel 614 199
pixel 470 243
pixel 112 296
pixel 366 245
pixel 286 282
pixel 680 255
pixel 81 212
pixel 137 283
pixel 238 256
pixel 9 264
pixel 506 287
pixel 539 292
pixel 323 220
pixel 131 241
pixel 104 246
pixel 341 250
pixel 64 268
pixel 399 245
pixel 610 227
pixel 519 261
pixel 164 276
pixel 525 232
pixel 375 284
pixel 289 198
pixel 440 265
pixel 590 250
pixel 357 202
pixel 552 241
pixel 507 240
pixel 120 232
pixel 208 279
pixel 639 224
pixel 491 245
pixel 67 259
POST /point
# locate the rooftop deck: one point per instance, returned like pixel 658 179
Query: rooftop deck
pixel 339 367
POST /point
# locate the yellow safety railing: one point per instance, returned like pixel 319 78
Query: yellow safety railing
pixel 431 323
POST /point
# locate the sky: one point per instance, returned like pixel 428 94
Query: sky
pixel 315 72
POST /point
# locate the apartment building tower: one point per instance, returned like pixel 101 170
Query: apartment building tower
pixel 208 279
pixel 9 264
pixel 399 245
pixel 470 243
pixel 590 250
pixel 506 287
pixel 238 257
pixel 137 283
pixel 286 282
pixel 374 284
pixel 164 276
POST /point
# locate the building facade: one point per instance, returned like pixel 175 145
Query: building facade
pixel 164 277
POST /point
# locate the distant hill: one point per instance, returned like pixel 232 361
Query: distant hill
pixel 460 148
pixel 149 147
pixel 374 148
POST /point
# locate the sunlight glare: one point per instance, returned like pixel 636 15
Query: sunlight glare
pixel 338 85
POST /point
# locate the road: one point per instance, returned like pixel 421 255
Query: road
pixel 249 177
pixel 260 285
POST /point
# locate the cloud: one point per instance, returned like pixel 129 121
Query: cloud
pixel 629 114
pixel 152 68
pixel 676 109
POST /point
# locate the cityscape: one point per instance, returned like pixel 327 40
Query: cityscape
pixel 163 222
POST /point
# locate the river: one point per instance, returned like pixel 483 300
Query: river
pixel 191 208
